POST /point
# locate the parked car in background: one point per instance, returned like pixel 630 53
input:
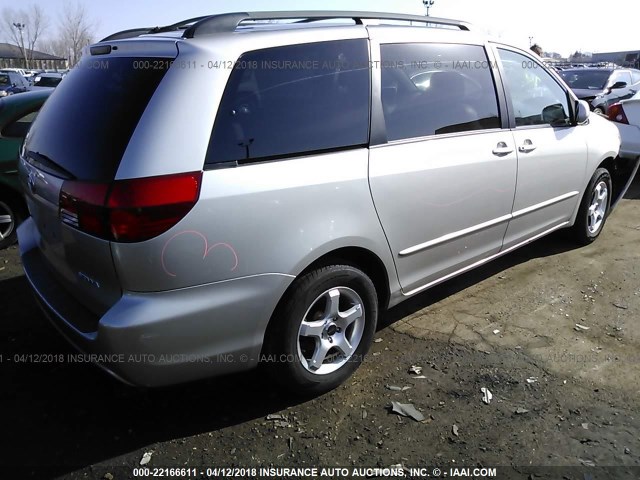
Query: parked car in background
pixel 46 80
pixel 12 83
pixel 626 115
pixel 306 191
pixel 17 112
pixel 20 71
pixel 30 75
pixel 602 87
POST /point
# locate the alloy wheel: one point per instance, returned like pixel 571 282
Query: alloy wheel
pixel 7 220
pixel 597 207
pixel 331 330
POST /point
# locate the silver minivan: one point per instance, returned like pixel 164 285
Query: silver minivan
pixel 254 189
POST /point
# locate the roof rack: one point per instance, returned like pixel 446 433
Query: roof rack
pixel 229 22
pixel 136 32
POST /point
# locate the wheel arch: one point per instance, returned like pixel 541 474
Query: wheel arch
pixel 364 260
pixel 608 163
pixel 358 257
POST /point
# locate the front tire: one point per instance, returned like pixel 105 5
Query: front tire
pixel 594 208
pixel 323 329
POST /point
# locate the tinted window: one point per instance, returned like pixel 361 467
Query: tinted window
pixel 294 99
pixel 20 127
pixel 86 124
pixel 47 81
pixel 536 97
pixel 430 89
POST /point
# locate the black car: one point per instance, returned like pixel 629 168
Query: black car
pixel 12 82
pixel 602 87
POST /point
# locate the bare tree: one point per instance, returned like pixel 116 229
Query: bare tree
pixel 75 32
pixel 23 28
pixel 56 47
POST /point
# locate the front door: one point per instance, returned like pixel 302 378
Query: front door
pixel 552 152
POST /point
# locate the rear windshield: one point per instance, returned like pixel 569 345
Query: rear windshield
pixel 586 79
pixel 47 81
pixel 86 124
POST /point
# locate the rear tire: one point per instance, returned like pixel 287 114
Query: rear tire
pixel 11 215
pixel 322 330
pixel 594 208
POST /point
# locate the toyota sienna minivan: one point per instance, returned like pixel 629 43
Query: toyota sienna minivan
pixel 256 188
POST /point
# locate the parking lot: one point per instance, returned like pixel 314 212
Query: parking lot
pixel 552 331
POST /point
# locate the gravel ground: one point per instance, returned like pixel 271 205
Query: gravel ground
pixel 552 331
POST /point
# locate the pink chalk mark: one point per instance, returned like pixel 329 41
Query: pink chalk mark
pixel 207 249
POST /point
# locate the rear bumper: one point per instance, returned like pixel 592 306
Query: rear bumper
pixel 162 338
pixel 630 141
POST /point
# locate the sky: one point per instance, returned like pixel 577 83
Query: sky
pixel 559 26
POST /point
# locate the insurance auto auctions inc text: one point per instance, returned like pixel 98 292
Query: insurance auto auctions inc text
pixel 395 471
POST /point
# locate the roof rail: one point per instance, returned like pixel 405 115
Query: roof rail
pixel 136 32
pixel 228 22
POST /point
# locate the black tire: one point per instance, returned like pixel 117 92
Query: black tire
pixel 585 230
pixel 15 211
pixel 288 354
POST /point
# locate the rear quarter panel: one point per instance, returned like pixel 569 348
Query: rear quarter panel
pixel 270 218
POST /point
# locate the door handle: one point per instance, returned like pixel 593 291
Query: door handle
pixel 502 149
pixel 527 147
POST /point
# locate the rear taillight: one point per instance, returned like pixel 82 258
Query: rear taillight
pixel 129 210
pixel 616 114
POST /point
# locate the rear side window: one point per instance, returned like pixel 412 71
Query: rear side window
pixel 431 89
pixel 293 100
pixel 85 126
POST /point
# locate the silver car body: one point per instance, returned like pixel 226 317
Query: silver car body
pixel 630 133
pixel 206 289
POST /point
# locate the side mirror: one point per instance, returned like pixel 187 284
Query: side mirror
pixel 582 112
pixel 618 85
pixel 555 115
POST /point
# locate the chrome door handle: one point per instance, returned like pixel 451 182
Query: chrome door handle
pixel 527 147
pixel 502 149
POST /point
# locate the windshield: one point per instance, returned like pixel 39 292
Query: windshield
pixel 587 79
